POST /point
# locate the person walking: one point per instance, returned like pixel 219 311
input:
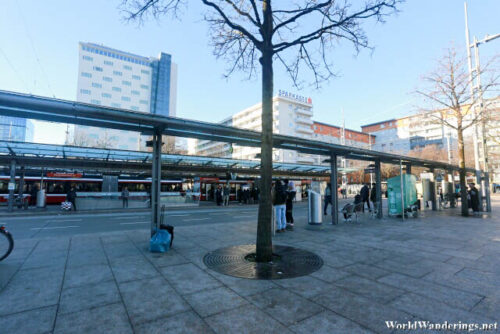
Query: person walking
pixel 279 201
pixel 291 192
pixel 125 196
pixel 365 195
pixel 71 197
pixel 218 196
pixel 344 193
pixel 328 197
pixel 474 198
pixel 226 195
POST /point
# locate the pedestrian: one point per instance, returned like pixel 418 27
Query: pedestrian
pixel 256 195
pixel 291 192
pixel 344 193
pixel 373 195
pixel 34 194
pixel 125 195
pixel 365 196
pixel 239 194
pixel 71 197
pixel 226 195
pixel 474 198
pixel 279 201
pixel 328 197
pixel 218 196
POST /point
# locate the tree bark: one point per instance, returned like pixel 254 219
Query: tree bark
pixel 461 164
pixel 264 226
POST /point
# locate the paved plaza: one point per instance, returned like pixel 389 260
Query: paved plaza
pixel 439 267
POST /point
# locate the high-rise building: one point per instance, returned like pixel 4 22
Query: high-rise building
pixel 119 79
pixel 16 129
pixel 292 115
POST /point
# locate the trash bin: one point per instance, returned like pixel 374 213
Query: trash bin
pixel 40 198
pixel 314 201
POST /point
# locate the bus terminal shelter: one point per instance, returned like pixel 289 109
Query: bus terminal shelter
pixel 54 110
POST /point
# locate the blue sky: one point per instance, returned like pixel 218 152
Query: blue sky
pixel 39 55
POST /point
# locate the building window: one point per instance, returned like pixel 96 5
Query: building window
pixel 106 95
pixel 143 102
pixel 88 58
pixel 96 85
pixel 86 75
pixel 107 79
pixel 126 83
pixel 144 71
pixel 97 68
pixel 116 89
pixel 135 92
pixel 95 101
pixel 382 126
pixel 85 91
pixel 118 73
pixel 126 98
pixel 136 77
pixel 144 86
pixel 116 105
pixel 126 67
pixel 134 108
pixel 109 63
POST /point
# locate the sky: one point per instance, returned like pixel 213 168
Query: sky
pixel 39 55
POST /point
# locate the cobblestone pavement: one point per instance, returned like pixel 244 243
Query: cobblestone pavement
pixel 439 267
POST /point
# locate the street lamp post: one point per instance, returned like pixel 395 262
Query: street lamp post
pixel 475 86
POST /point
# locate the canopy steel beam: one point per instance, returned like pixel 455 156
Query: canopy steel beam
pixel 49 109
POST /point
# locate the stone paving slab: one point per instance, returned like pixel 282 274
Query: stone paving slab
pixel 438 267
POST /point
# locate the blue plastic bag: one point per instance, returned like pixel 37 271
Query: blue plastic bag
pixel 160 242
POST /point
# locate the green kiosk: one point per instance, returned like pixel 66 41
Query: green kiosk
pixel 394 194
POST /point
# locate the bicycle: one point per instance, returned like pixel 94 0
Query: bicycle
pixel 6 242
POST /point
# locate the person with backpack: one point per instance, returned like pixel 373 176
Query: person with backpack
pixel 328 197
pixel 474 198
pixel 279 201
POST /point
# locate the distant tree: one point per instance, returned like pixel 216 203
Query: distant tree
pixel 80 139
pixel 298 35
pixel 451 102
pixel 388 170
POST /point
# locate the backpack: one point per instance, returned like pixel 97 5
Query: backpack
pixel 280 195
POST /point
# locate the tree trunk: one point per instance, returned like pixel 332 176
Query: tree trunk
pixel 461 164
pixel 264 227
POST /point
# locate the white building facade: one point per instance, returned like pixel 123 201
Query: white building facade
pixel 292 116
pixel 119 79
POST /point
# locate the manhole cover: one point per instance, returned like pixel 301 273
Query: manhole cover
pixel 287 262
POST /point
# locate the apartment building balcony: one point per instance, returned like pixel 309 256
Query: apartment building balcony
pixel 307 112
pixel 304 120
pixel 304 130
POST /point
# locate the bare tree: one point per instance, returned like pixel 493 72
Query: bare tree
pixel 297 35
pixel 452 103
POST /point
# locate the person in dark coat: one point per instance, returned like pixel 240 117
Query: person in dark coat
pixel 218 195
pixel 291 192
pixel 474 198
pixel 34 193
pixel 328 198
pixel 71 197
pixel 365 195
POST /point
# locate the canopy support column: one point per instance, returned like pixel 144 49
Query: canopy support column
pixel 378 189
pixel 12 185
pixel 334 189
pixel 156 181
pixel 433 191
pixel 487 190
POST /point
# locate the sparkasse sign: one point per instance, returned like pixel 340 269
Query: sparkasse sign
pixel 293 96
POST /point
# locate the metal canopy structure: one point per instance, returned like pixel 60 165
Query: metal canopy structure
pixel 65 156
pixel 49 109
